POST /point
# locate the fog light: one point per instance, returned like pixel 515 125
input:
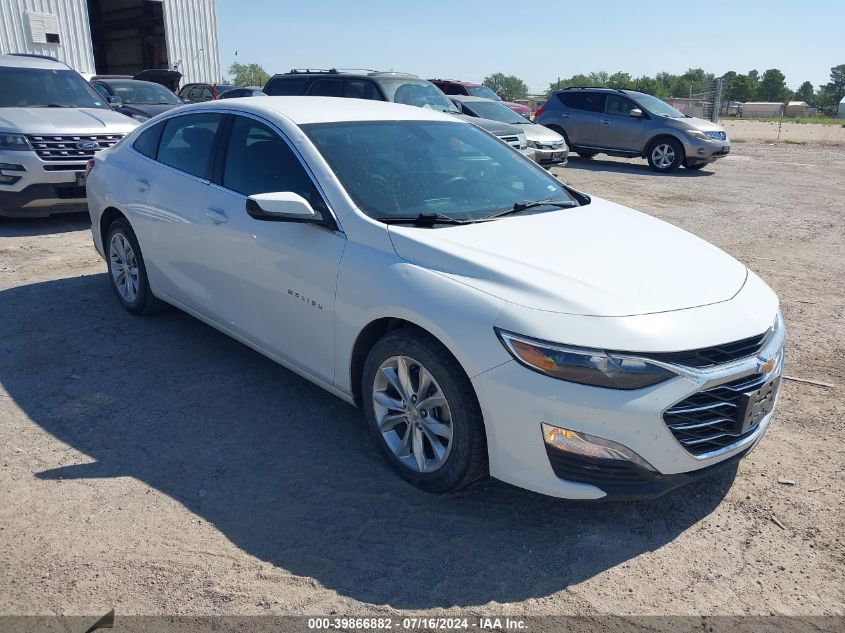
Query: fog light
pixel 590 446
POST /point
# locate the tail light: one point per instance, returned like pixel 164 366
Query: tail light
pixel 539 111
pixel 214 91
pixel 89 167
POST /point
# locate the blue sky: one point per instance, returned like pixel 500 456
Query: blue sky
pixel 536 40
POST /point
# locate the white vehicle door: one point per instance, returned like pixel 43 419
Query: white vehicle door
pixel 167 189
pixel 283 274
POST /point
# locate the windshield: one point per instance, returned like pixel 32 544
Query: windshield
pixel 497 111
pixel 659 107
pixel 418 93
pixel 400 169
pixel 43 88
pixel 483 91
pixel 143 92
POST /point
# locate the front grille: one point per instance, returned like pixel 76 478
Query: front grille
pixel 718 354
pixel 65 167
pixel 706 421
pixel 720 136
pixel 557 145
pixel 71 192
pixel 513 141
pixel 64 148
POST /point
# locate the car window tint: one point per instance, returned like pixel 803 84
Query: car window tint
pixel 259 161
pixel 589 101
pixel 207 95
pixel 326 88
pixel 102 90
pixel 285 86
pixel 186 142
pixel 618 105
pixel 453 89
pixel 147 141
pixel 361 89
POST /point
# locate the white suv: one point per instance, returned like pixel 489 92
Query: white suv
pixel 487 317
pixel 51 123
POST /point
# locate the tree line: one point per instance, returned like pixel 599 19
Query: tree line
pixel 751 86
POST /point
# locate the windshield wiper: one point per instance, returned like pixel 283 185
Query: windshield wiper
pixel 519 207
pixel 424 219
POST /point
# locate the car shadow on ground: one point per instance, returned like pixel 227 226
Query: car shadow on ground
pixel 635 166
pixel 287 472
pixel 64 223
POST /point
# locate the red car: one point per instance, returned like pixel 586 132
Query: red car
pixel 455 87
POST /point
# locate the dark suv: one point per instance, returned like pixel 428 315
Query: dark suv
pixel 632 124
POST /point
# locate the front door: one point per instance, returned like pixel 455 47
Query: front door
pixel 282 275
pixel 617 128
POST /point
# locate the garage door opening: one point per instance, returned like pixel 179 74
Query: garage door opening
pixel 127 35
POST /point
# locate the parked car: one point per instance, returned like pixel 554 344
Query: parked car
pixel 383 86
pixel 140 100
pixel 51 123
pixel 453 87
pixel 487 317
pixel 237 93
pixel 167 78
pixel 549 146
pixel 633 124
pixel 201 92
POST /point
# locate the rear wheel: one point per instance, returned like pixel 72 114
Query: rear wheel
pixel 587 155
pixel 127 272
pixel 422 411
pixel 665 155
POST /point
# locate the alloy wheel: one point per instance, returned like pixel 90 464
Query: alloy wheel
pixel 123 267
pixel 663 155
pixel 412 413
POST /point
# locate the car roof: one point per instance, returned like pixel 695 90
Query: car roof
pixel 471 99
pixel 457 81
pixel 346 73
pixel 304 110
pixel 30 61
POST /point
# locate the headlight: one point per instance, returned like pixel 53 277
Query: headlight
pixel 533 145
pixel 13 142
pixel 698 134
pixel 584 366
pixel 140 117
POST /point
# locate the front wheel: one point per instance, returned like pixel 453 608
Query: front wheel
pixel 423 413
pixel 665 155
pixel 127 272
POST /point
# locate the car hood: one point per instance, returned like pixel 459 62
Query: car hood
pixel 541 133
pixel 693 123
pixel 497 128
pixel 600 259
pixel 65 121
pixel 517 106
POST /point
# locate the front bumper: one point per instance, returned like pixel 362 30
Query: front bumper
pixel 559 157
pixel 701 151
pixel 41 188
pixel 517 401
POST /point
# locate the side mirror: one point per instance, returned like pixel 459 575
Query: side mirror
pixel 114 101
pixel 281 206
pixel 636 112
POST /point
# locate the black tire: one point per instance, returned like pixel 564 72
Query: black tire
pixel 587 155
pixel 695 166
pixel 677 155
pixel 144 302
pixel 466 460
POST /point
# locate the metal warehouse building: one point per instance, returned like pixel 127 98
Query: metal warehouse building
pixel 116 37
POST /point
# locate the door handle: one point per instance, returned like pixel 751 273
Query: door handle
pixel 605 122
pixel 565 116
pixel 216 216
pixel 141 185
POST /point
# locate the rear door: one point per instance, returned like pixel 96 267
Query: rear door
pixel 581 118
pixel 278 285
pixel 617 128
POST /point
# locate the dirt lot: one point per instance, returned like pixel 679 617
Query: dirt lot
pixel 155 466
pixel 795 132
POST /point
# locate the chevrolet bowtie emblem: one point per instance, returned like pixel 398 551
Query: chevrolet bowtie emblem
pixel 767 366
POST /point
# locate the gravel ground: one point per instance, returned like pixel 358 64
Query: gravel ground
pixel 155 466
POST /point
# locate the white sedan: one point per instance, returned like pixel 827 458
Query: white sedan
pixel 488 318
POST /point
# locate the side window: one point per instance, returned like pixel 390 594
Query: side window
pixel 361 89
pixel 453 89
pixel 326 88
pixel 619 106
pixel 101 90
pixel 186 142
pixel 259 161
pixel 195 93
pixel 147 141
pixel 589 101
pixel 285 86
pixel 207 95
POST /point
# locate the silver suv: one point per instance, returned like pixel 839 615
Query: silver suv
pixel 632 124
pixel 52 122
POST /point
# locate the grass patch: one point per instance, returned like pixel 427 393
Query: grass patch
pixel 791 142
pixel 738 140
pixel 818 120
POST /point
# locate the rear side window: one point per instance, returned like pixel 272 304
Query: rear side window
pixel 285 86
pixel 452 89
pixel 326 88
pixel 259 161
pixel 589 101
pixel 147 141
pixel 186 142
pixel 361 89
